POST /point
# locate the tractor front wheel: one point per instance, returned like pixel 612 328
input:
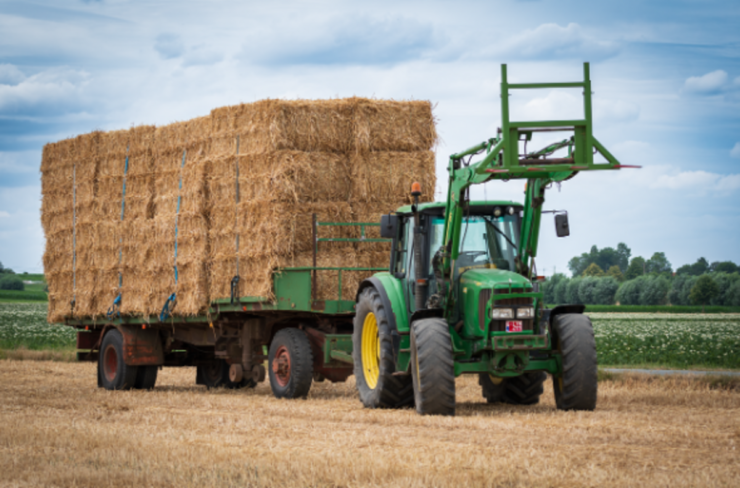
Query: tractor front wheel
pixel 575 388
pixel 374 360
pixel 432 367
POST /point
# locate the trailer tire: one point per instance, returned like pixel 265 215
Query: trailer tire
pixel 290 364
pixel 374 379
pixel 520 390
pixel 113 372
pixel 146 377
pixel 216 374
pixel 576 388
pixel 432 367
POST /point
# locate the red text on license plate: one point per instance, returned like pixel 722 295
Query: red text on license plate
pixel 513 326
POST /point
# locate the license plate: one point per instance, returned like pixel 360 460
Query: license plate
pixel 513 326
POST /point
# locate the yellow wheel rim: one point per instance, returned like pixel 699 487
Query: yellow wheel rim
pixel 370 351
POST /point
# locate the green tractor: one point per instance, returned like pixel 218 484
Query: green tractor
pixel 462 293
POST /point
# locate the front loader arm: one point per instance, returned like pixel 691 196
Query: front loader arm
pixel 503 162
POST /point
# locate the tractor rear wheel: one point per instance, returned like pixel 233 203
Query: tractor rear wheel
pixel 520 390
pixel 290 364
pixel 113 372
pixel 576 387
pixel 215 374
pixel 432 367
pixel 374 359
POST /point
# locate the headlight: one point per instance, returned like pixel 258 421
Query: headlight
pixel 525 313
pixel 502 313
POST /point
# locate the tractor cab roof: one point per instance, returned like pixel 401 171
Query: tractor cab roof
pixel 480 207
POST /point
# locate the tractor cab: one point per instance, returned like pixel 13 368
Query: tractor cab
pixel 488 257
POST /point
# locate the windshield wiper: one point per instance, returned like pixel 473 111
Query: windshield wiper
pixel 499 231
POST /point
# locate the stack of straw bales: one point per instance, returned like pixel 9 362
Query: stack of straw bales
pixel 248 179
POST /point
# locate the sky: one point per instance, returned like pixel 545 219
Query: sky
pixel 665 79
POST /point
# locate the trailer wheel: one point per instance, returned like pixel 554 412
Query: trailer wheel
pixel 432 367
pixel 113 372
pixel 215 374
pixel 576 388
pixel 520 390
pixel 146 377
pixel 374 361
pixel 290 364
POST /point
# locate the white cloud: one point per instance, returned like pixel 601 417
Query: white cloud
pixel 4 214
pixel 735 152
pixel 553 41
pixel 46 91
pixel 10 75
pixel 698 182
pixel 708 84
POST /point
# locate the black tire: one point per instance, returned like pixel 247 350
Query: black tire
pixel 291 347
pixel 432 367
pixel 215 374
pixel 576 388
pixel 379 389
pixel 113 372
pixel 520 390
pixel 146 377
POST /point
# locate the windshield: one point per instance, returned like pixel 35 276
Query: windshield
pixel 484 241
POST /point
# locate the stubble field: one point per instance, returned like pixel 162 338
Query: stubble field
pixel 58 429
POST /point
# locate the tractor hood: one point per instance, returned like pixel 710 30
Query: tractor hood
pixel 480 278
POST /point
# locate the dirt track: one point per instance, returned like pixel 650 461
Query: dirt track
pixel 58 429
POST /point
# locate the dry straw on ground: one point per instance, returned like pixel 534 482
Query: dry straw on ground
pixel 234 192
pixel 59 430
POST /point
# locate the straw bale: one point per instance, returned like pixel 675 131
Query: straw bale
pixel 113 145
pixel 302 125
pixel 294 176
pixel 85 293
pixel 387 176
pixel 138 244
pixel 389 125
pixel 139 197
pixel 141 140
pixel 222 269
pixel 195 187
pixel 371 213
pixel 59 249
pixel 60 294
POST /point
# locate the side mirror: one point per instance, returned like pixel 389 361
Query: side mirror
pixel 388 226
pixel 561 225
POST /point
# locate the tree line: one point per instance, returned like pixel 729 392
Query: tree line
pixel 608 276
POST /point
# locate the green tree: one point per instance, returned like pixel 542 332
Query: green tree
pixel 703 291
pixel 629 292
pixel 587 290
pixel 680 289
pixel 571 292
pixel 654 290
pixel 700 267
pixel 658 264
pixel 616 273
pixel 548 288
pixel 606 290
pixel 593 270
pixel 623 253
pixel 723 267
pixel 10 282
pixel 604 259
pixel 560 292
pixel 636 268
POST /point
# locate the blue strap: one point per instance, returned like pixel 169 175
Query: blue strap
pixel 167 309
pixel 113 310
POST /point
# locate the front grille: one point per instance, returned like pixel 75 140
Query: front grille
pixel 500 325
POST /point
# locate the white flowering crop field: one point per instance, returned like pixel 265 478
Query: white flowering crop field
pixel 677 340
pixel 24 325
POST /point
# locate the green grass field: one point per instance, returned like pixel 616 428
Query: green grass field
pixel 33 292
